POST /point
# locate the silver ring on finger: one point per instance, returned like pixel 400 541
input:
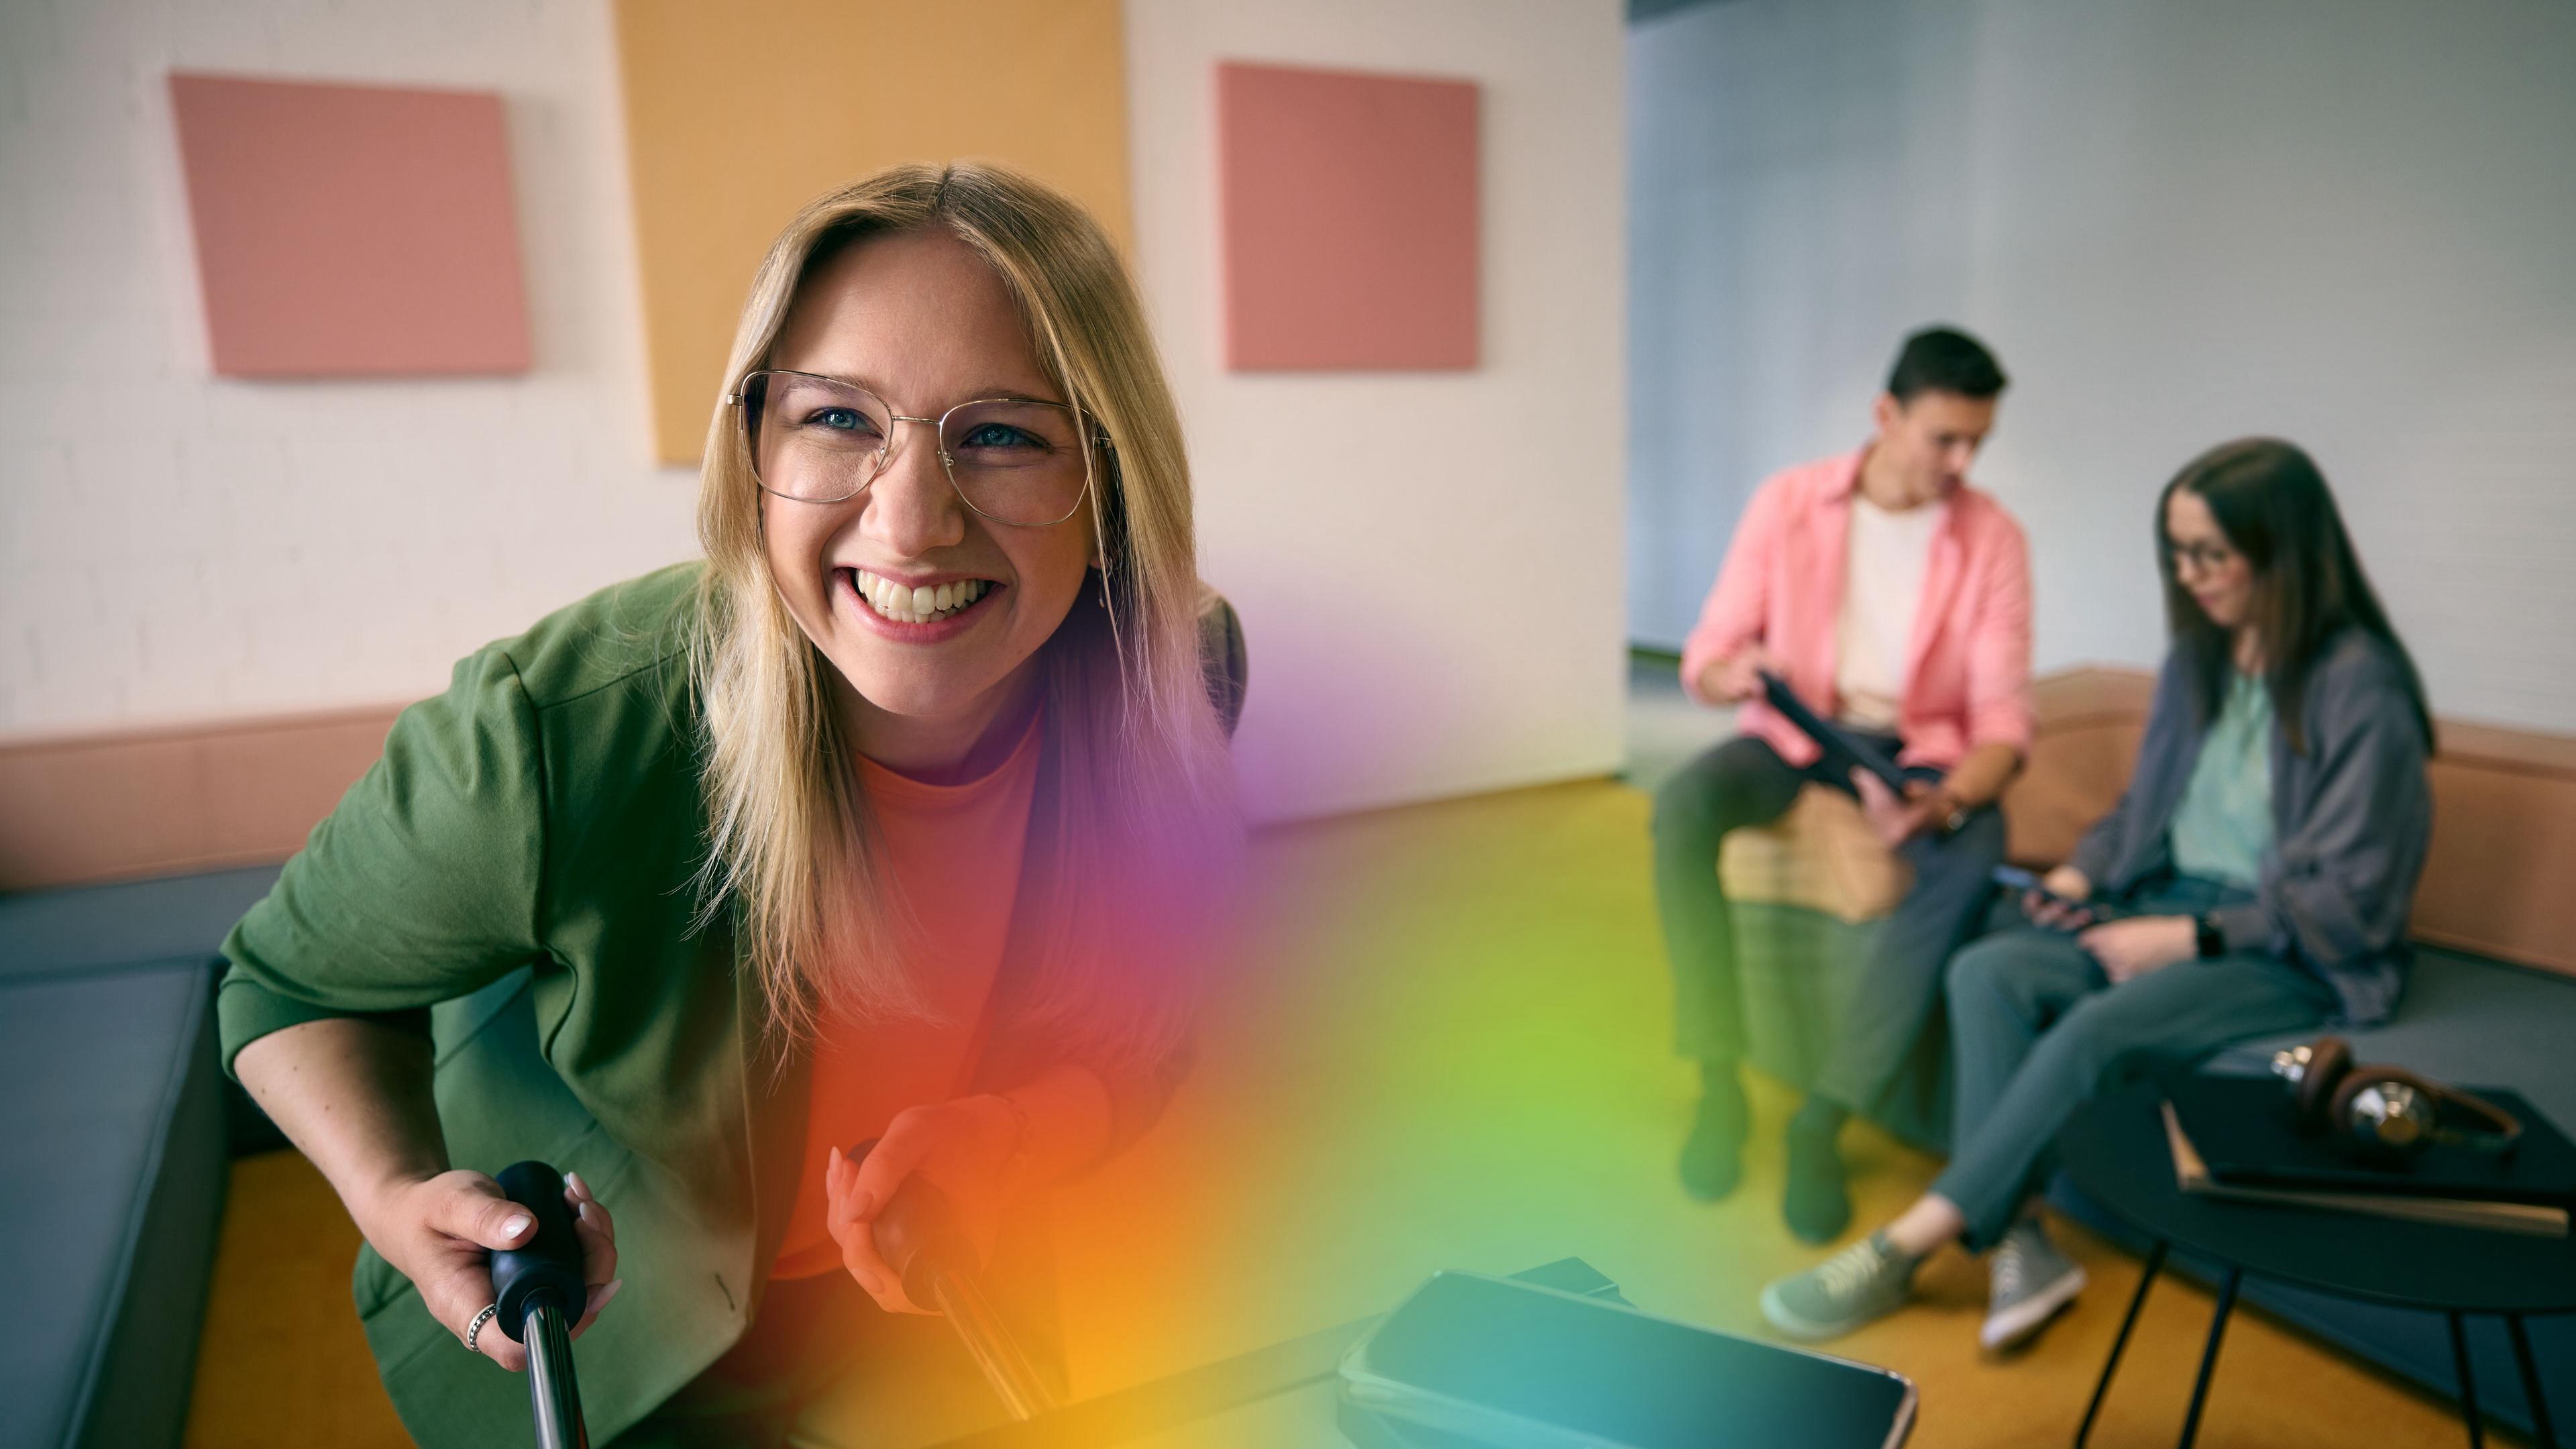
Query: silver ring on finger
pixel 476 1326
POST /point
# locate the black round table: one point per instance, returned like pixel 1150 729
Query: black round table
pixel 2115 1149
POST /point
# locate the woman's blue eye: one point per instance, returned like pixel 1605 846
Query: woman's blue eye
pixel 846 420
pixel 1001 435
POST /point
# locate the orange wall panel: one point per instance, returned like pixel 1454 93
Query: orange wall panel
pixel 737 115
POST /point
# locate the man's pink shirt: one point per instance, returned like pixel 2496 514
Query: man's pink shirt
pixel 1967 665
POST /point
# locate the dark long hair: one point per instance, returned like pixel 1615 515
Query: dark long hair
pixel 2273 505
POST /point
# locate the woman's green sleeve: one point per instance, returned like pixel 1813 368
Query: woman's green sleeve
pixel 421 886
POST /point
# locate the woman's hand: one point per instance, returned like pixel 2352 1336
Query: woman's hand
pixel 440 1232
pixel 2130 949
pixel 966 1148
pixel 2058 905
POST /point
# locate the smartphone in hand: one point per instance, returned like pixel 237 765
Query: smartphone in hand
pixel 2028 883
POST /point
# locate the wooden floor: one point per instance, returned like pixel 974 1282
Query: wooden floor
pixel 1444 1048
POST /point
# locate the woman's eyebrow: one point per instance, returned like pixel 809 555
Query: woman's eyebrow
pixel 1011 394
pixel 983 393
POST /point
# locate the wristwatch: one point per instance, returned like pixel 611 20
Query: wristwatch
pixel 2208 940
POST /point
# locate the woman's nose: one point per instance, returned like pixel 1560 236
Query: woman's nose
pixel 911 507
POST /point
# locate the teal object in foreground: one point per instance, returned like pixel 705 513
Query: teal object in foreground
pixel 1279 1397
pixel 1493 1361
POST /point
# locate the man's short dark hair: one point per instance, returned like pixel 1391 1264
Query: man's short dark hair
pixel 1944 359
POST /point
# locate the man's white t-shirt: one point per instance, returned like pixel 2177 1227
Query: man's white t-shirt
pixel 1882 584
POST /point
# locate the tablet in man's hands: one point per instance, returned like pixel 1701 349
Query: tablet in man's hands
pixel 1844 751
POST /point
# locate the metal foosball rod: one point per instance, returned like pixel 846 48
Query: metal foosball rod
pixel 918 1236
pixel 538 1293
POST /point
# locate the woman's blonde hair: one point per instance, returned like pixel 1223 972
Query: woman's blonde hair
pixel 1138 754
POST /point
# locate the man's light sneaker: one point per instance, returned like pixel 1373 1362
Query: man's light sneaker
pixel 1866 1281
pixel 2030 1281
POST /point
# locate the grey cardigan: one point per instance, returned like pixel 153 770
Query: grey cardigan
pixel 2351 819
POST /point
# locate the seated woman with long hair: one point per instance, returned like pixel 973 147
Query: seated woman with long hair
pixel 2259 868
pixel 893 820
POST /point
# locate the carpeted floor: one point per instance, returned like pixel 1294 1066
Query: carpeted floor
pixel 1445 1048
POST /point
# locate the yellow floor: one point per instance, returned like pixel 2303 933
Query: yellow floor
pixel 1444 1049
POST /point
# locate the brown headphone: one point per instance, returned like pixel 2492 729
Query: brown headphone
pixel 2385 1112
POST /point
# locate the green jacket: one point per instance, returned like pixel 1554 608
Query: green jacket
pixel 516 878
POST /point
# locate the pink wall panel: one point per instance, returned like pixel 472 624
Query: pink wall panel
pixel 351 229
pixel 1349 219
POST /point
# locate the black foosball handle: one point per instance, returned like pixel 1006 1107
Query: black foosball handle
pixel 918 1237
pixel 539 1291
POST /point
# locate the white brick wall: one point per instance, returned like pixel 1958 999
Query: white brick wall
pixel 174 546
pixel 1432 598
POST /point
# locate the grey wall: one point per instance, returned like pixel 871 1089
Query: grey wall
pixel 2354 226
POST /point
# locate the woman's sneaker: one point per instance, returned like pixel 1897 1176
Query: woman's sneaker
pixel 1866 1281
pixel 2030 1280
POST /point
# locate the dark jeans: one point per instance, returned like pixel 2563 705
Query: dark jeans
pixel 2036 1028
pixel 1745 782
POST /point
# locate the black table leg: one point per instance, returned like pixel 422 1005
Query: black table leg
pixel 2137 1300
pixel 2209 1353
pixel 2468 1384
pixel 2542 1434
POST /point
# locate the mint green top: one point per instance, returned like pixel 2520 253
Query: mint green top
pixel 2224 824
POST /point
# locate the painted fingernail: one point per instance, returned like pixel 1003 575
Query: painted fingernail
pixel 870 1282
pixel 515 1226
pixel 605 1291
pixel 580 1188
pixel 866 1204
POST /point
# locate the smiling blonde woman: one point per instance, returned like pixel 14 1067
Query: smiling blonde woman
pixel 902 819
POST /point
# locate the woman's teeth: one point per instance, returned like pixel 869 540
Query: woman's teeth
pixel 905 604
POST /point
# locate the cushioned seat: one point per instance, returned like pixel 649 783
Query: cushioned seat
pixel 112 1125
pixel 1807 895
pixel 112 1122
pixel 2465 1019
pixel 113 925
pixel 1820 855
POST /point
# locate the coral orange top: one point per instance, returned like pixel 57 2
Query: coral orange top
pixel 954 853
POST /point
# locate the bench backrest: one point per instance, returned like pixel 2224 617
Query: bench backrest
pixel 2502 878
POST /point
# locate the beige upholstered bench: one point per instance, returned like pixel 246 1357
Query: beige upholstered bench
pixel 1810 890
pixel 1820 856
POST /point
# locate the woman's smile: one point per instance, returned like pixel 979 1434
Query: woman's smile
pixel 923 609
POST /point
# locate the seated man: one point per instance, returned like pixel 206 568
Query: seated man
pixel 1894 598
